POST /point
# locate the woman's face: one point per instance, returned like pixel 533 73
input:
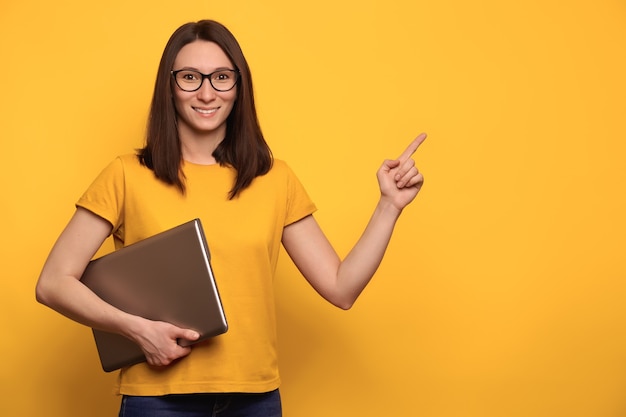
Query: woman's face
pixel 203 112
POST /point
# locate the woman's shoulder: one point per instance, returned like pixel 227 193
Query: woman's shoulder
pixel 282 172
pixel 129 159
pixel 280 166
pixel 123 165
pixel 280 169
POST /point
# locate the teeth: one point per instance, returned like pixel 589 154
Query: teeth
pixel 204 111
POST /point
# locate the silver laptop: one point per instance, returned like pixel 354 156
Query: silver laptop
pixel 166 277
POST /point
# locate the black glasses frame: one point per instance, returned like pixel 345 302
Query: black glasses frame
pixel 206 76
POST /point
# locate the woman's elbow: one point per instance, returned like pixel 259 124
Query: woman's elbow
pixel 343 303
pixel 41 295
pixel 345 306
pixel 44 293
pixel 340 298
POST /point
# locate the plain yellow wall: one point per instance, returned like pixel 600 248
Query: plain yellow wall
pixel 502 293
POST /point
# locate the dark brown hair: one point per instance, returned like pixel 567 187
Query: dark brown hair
pixel 244 148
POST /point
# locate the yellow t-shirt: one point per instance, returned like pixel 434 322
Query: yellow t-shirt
pixel 243 235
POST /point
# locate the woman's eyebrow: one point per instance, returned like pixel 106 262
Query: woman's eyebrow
pixel 213 70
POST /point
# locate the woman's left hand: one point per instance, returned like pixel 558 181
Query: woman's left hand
pixel 399 179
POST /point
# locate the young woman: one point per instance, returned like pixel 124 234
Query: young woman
pixel 205 157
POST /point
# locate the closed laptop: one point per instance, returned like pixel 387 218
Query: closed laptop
pixel 166 277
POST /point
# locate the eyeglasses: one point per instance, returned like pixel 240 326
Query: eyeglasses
pixel 221 80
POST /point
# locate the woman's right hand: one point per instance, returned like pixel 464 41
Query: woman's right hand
pixel 159 341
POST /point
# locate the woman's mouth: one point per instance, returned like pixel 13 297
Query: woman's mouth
pixel 205 111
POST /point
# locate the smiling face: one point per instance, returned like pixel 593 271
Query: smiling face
pixel 202 113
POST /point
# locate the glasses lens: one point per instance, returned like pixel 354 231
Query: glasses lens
pixel 188 80
pixel 223 80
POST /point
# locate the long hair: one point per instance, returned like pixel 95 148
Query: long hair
pixel 243 148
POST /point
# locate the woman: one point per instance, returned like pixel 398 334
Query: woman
pixel 205 156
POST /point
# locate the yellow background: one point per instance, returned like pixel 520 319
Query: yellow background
pixel 503 291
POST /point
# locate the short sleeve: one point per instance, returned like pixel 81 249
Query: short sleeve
pixel 105 195
pixel 299 204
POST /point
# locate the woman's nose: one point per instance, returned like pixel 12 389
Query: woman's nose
pixel 206 91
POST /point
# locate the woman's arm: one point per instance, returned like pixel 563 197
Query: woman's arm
pixel 59 288
pixel 341 282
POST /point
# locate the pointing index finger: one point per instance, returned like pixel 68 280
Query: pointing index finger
pixel 410 150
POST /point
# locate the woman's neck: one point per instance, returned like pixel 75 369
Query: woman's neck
pixel 198 147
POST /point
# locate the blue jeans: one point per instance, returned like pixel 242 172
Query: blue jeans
pixel 203 405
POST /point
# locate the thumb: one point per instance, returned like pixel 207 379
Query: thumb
pixel 186 337
pixel 188 334
pixel 390 164
pixel 191 335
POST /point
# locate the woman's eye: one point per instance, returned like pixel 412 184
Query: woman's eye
pixel 221 76
pixel 190 76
